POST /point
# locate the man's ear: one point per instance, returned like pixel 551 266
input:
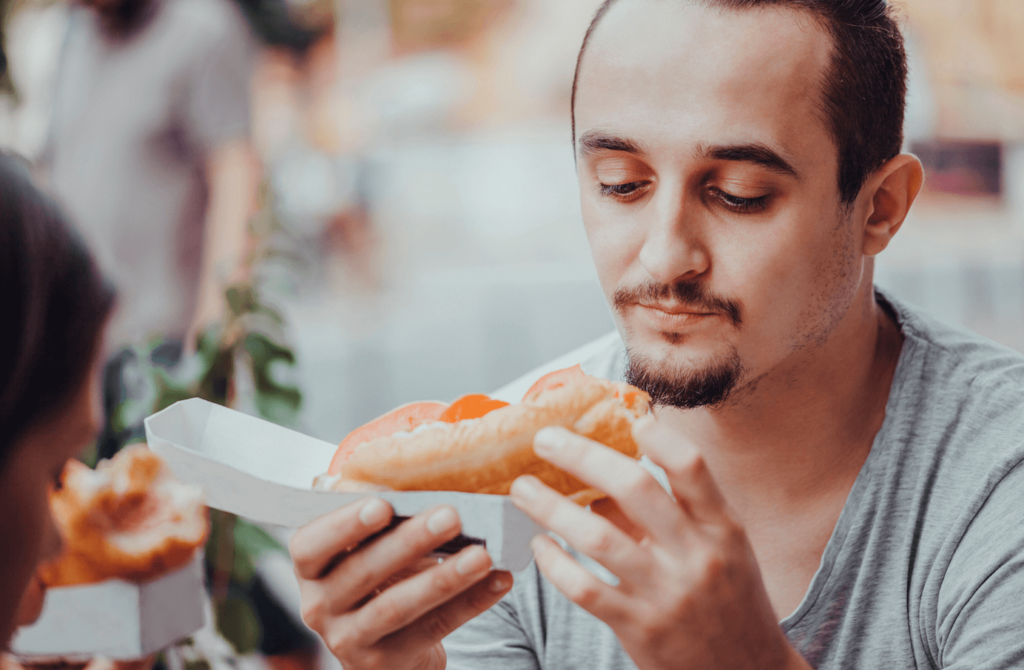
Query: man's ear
pixel 892 189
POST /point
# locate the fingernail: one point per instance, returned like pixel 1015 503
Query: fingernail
pixel 524 488
pixel 499 583
pixel 442 521
pixel 374 512
pixel 475 560
pixel 549 440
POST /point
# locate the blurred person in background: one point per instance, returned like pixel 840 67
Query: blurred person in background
pixel 840 478
pixel 56 305
pixel 149 152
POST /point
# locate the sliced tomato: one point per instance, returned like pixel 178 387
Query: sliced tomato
pixel 553 380
pixel 471 406
pixel 401 418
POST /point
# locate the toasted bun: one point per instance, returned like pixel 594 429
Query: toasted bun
pixel 485 455
pixel 126 519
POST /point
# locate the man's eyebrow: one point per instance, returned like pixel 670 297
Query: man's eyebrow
pixel 593 142
pixel 757 154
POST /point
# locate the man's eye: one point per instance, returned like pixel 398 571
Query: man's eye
pixel 622 190
pixel 738 204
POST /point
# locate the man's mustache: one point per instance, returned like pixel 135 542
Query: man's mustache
pixel 690 294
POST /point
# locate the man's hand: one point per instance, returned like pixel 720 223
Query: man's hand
pixel 357 592
pixel 690 593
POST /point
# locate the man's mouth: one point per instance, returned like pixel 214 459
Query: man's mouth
pixel 675 310
pixel 682 301
pixel 672 317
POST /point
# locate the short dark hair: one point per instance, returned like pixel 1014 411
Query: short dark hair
pixel 863 93
pixel 54 303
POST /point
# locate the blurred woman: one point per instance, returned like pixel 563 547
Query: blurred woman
pixel 54 306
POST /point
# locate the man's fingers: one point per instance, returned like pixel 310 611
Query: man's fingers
pixel 588 533
pixel 368 568
pixel 442 621
pixel 315 546
pixel 687 472
pixel 638 494
pixel 609 509
pixel 403 603
pixel 578 584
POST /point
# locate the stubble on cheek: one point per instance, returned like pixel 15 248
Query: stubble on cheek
pixel 836 277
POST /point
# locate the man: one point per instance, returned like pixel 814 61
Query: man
pixel 844 471
pixel 149 152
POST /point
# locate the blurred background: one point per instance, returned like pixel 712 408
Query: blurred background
pixel 415 229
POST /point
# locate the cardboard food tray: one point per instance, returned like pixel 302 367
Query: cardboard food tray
pixel 264 472
pixel 115 619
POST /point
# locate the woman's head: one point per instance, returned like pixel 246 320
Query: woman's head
pixel 54 303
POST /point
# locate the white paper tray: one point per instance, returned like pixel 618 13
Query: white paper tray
pixel 115 619
pixel 264 472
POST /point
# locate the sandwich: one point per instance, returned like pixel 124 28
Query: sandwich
pixel 481 445
pixel 127 519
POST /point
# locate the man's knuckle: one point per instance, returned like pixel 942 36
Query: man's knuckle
pixel 313 610
pixel 362 579
pixel 443 581
pixel 301 556
pixel 341 642
pixel 729 534
pixel 598 544
pixel 388 613
pixel 374 659
pixel 640 484
pixel 713 568
pixel 439 624
pixel 584 592
pixel 479 599
pixel 649 628
pixel 689 464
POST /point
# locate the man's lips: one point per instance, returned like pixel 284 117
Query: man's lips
pixel 675 309
pixel 672 317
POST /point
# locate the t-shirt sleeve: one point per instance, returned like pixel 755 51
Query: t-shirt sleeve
pixel 493 639
pixel 219 101
pixel 981 622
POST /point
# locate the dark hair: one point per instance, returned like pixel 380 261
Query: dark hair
pixel 863 92
pixel 54 303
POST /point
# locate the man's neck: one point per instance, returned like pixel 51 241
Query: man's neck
pixel 802 432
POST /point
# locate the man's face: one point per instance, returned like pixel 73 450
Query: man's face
pixel 709 192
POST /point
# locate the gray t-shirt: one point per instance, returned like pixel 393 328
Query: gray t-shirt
pixel 925 567
pixel 134 121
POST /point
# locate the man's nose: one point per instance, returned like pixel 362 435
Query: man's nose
pixel 675 248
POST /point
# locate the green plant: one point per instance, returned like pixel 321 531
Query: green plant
pixel 247 348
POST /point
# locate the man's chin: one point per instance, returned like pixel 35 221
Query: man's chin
pixel 707 381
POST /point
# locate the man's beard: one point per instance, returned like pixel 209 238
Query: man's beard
pixel 685 388
pixel 682 387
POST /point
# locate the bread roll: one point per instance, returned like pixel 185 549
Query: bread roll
pixel 127 519
pixel 486 454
